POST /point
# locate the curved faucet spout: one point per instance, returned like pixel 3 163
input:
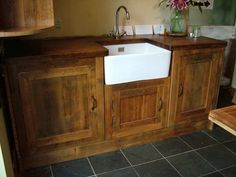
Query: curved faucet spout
pixel 117 34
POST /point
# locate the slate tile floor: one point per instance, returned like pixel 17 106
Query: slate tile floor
pixel 204 154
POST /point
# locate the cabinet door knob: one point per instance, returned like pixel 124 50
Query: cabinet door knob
pixel 95 104
pixel 181 90
pixel 160 104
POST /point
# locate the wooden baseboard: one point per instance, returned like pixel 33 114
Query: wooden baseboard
pixel 75 152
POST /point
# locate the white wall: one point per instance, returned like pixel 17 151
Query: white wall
pixel 5 157
pixel 234 75
pixel 2 165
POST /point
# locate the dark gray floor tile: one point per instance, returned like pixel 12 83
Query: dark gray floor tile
pixel 220 134
pixel 190 164
pixel 127 172
pixel 171 146
pixel 231 145
pixel 159 168
pixel 229 172
pixel 216 174
pixel 108 162
pixel 75 168
pixel 198 140
pixel 142 153
pixel 38 172
pixel 219 156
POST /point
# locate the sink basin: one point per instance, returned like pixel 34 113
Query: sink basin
pixel 135 62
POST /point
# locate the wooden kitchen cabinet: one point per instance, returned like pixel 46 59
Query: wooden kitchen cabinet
pixel 135 108
pixel 61 109
pixel 195 84
pixel 25 17
pixel 57 104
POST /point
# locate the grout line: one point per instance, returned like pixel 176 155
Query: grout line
pixel 206 174
pixel 125 157
pixel 215 144
pixel 91 167
pixel 147 162
pixel 218 140
pixel 205 160
pixel 129 163
pixel 228 147
pixel 218 143
pixel 51 170
pixel 220 171
pixel 217 170
pixel 185 143
pixel 113 170
pixel 227 141
pixel 200 154
pixel 167 160
pixel 210 136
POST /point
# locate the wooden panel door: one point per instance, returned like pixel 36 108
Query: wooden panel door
pixel 195 84
pixel 137 107
pixel 59 105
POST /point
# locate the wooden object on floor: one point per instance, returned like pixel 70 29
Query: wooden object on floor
pixel 225 118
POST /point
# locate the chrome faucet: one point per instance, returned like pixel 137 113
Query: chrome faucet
pixel 117 33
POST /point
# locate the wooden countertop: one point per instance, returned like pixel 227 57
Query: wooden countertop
pixel 170 43
pixel 92 46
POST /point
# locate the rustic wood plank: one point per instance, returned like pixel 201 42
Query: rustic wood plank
pixel 25 17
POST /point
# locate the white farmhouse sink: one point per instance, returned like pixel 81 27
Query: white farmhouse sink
pixel 134 62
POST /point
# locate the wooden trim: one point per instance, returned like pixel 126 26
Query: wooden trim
pixel 23 31
pixel 77 151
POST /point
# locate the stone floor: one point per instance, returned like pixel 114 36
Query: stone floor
pixel 204 153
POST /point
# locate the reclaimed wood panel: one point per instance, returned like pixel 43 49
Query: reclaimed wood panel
pixel 225 118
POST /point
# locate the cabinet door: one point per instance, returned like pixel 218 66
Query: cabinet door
pixel 137 108
pixel 195 84
pixel 59 105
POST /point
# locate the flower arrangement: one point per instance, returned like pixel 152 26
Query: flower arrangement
pixel 183 4
pixel 179 19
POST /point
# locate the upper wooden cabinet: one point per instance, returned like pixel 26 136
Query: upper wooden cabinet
pixel 25 17
pixel 194 84
pixel 137 107
pixel 56 105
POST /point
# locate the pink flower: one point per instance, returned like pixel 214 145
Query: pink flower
pixel 178 4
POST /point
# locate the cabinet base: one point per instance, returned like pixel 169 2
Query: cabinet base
pixel 76 151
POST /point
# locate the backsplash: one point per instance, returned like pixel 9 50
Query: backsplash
pixel 218 32
pixel 222 33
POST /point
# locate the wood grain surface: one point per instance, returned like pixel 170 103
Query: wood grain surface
pixel 225 118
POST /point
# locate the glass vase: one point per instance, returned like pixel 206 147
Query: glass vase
pixel 178 22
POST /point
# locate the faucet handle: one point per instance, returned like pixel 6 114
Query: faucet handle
pixel 110 34
pixel 123 33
